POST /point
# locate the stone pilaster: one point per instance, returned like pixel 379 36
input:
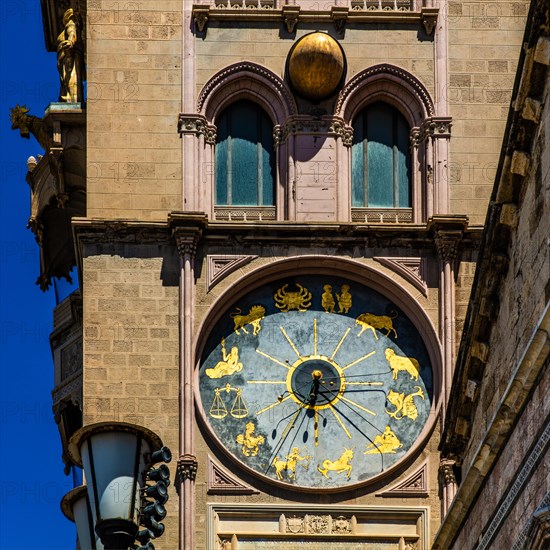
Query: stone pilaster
pixel 186 241
pixel 447 235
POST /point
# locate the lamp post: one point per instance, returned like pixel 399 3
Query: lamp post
pixel 116 457
pixel 76 507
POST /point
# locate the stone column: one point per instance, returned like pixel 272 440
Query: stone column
pixel 186 241
pixel 447 234
pixel 447 482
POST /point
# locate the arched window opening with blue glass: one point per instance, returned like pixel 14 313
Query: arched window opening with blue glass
pixel 381 158
pixel 245 156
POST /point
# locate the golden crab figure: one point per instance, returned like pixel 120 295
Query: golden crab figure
pixel 300 299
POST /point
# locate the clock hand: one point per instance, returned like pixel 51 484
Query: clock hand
pixel 286 433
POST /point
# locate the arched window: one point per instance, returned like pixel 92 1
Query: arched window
pixel 245 157
pixel 381 159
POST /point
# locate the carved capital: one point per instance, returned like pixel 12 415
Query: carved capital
pixel 187 243
pixel 334 126
pixel 290 17
pixel 200 16
pixel 277 135
pixel 186 469
pixel 429 19
pixel 416 137
pixel 341 129
pixel 447 233
pixel 446 244
pixel 196 125
pixel 339 14
pixel 446 472
pixel 437 127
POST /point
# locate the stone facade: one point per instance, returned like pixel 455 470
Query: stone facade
pixel 160 262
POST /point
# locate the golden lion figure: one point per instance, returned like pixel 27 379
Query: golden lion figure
pixel 254 317
pixel 342 465
pixel 404 404
pixel 399 363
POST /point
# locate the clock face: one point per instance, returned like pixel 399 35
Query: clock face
pixel 315 381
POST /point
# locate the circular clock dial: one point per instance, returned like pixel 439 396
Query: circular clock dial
pixel 315 381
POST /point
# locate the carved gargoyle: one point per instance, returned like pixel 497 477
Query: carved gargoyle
pixel 30 124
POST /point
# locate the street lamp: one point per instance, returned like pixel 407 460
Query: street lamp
pixel 116 457
pixel 76 507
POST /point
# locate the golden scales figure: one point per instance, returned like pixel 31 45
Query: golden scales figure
pixel 218 408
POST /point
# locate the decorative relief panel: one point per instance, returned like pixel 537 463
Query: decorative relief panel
pixel 318 527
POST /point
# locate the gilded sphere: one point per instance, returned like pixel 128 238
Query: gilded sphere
pixel 316 66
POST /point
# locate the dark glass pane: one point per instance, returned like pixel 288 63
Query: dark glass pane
pixel 267 156
pixel 403 163
pixel 221 160
pixel 358 174
pixel 248 155
pixel 380 155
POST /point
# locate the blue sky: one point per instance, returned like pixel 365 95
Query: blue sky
pixel 32 481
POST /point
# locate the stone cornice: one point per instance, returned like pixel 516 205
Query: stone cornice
pixel 420 236
pixel 292 15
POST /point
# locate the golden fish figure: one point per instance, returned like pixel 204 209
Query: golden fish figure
pixel 341 465
pixel 228 365
pixel 250 442
pixel 404 404
pixel 386 442
pixel 327 299
pixel 289 465
pixel 344 299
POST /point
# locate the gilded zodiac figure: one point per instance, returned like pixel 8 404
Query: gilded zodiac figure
pixel 341 465
pixel 70 59
pixel 254 317
pixel 344 299
pixel 400 363
pixel 229 364
pixel 250 442
pixel 290 464
pixel 386 442
pixel 404 404
pixel 327 299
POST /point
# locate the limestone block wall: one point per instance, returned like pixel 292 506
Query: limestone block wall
pixel 264 43
pixel 506 472
pixel 131 345
pixel 526 288
pixel 484 46
pixel 133 101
